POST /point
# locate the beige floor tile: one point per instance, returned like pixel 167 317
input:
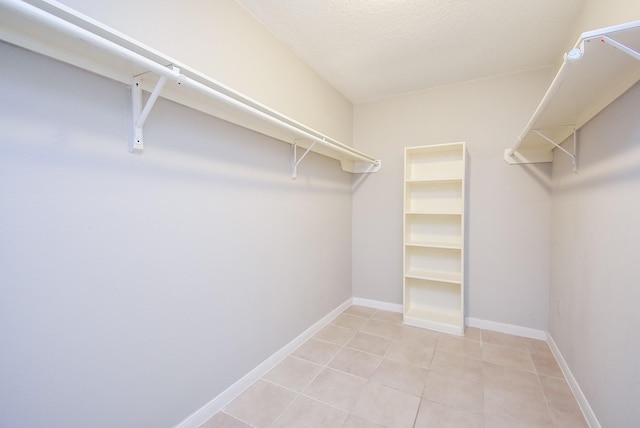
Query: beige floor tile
pixel 502 421
pixel 361 311
pixel 565 411
pixel 455 389
pixel 459 346
pixel 403 377
pixel 308 413
pixel 547 366
pixel 506 379
pixel 335 334
pixel 381 328
pixel 336 388
pixel 472 333
pixel 356 362
pixel 538 347
pixel 222 420
pixel 411 352
pixel 387 316
pixel 435 415
pixel 457 365
pixel 416 334
pixel 507 357
pixel 317 351
pixel 514 395
pixel 386 406
pixel 369 343
pixel 354 421
pixel 293 373
pixel 261 403
pixel 350 321
pixel 504 340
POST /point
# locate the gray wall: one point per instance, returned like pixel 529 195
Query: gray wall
pixel 508 207
pixel 136 288
pixel 594 317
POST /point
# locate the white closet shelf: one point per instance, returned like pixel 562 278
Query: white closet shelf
pixel 602 66
pixel 54 30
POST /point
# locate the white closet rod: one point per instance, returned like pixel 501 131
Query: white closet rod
pixel 173 74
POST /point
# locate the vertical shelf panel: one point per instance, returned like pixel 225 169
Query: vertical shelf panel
pixel 434 197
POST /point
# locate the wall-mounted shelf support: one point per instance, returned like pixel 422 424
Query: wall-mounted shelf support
pixel 558 146
pixel 624 48
pixel 592 75
pixel 138 113
pixel 294 158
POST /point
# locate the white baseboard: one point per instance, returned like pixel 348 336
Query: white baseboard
pixel 506 328
pixel 208 410
pixel 377 304
pixel 587 411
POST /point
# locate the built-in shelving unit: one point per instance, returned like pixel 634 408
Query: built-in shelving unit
pixel 54 30
pixel 602 66
pixel 434 195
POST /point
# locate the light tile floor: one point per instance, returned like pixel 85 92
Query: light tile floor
pixel 366 369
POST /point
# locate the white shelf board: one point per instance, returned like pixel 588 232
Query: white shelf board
pixel 449 277
pixel 451 179
pixel 436 243
pixel 580 90
pixel 434 212
pixel 54 30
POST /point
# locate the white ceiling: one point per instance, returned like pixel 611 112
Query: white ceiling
pixel 369 49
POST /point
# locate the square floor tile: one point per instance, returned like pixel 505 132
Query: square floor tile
pixel 308 413
pixel 261 403
pixel 336 388
pixel 514 395
pixel 317 351
pixel 403 377
pixel 293 373
pixel 369 343
pixel 435 415
pixel 565 411
pixel 547 366
pixel 387 316
pixel 411 352
pixel 350 321
pixel 538 347
pixel 354 421
pixel 356 362
pixel 223 420
pixel 381 328
pixel 459 346
pixel 507 357
pixel 335 334
pixel 386 406
pixel 455 389
pixel 504 340
pixel 361 311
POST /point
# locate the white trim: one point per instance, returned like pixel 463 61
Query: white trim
pixel 587 411
pixel 506 328
pixel 208 410
pixel 377 304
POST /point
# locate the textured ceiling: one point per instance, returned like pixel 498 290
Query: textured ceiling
pixel 369 49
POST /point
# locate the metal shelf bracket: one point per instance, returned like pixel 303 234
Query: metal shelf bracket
pixel 140 113
pixel 294 158
pixel 558 146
